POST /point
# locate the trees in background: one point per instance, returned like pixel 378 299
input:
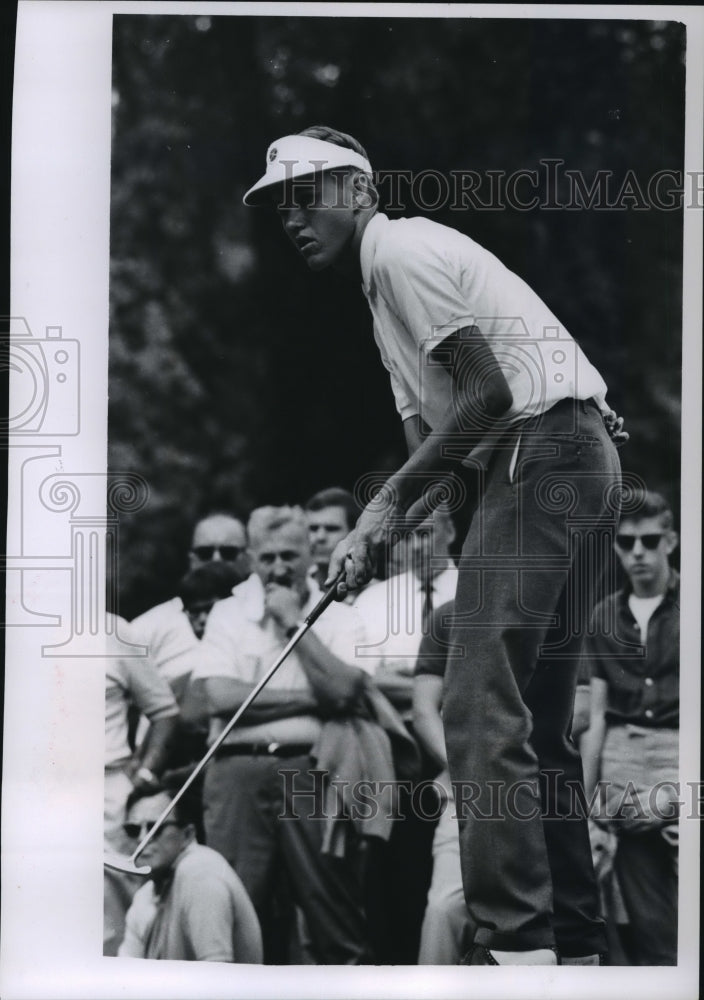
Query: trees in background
pixel 237 377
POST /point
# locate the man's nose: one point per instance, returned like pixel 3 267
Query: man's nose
pixel 638 547
pixel 293 221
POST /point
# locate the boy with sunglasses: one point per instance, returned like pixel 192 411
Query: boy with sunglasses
pixel 492 390
pixel 633 736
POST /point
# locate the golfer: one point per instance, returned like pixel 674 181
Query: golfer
pixel 492 390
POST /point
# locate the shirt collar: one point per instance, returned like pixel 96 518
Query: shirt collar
pixel 367 248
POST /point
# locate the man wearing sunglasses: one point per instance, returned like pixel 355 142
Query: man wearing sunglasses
pixel 166 628
pixel 194 907
pixel 633 735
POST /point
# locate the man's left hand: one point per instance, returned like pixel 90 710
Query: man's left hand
pixel 614 427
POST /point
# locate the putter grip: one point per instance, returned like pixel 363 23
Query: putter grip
pixel 325 601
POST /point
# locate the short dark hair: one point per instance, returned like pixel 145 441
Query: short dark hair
pixel 338 138
pixel 335 496
pixel 646 503
pixel 210 582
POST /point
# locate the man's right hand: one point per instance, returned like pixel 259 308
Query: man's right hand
pixel 283 604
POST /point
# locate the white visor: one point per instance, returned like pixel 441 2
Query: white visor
pixel 296 156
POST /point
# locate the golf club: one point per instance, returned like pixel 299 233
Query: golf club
pixel 117 862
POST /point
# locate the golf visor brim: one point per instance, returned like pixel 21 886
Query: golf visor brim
pixel 295 156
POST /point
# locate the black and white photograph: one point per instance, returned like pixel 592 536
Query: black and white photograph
pixel 354 501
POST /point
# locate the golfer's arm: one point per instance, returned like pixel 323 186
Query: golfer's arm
pixel 427 721
pixel 481 395
pixel 335 684
pixel 593 739
pixel 225 695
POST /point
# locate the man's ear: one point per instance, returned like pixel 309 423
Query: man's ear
pixel 672 540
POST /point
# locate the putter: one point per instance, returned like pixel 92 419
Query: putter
pixel 119 863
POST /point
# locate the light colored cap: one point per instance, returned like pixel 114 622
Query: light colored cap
pixel 296 156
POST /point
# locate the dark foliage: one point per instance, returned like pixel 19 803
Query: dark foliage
pixel 237 377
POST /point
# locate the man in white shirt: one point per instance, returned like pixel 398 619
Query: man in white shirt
pixel 486 379
pixel 245 793
pixel 165 628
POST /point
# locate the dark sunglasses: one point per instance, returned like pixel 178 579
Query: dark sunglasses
pixel 134 830
pixel 227 552
pixel 626 542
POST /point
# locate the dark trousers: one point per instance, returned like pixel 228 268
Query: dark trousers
pixel 646 866
pixel 244 798
pixel 397 877
pixel 529 567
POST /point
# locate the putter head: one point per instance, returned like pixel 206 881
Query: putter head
pixel 119 863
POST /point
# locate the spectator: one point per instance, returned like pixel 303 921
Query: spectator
pixel 396 614
pixel 201 587
pixel 130 681
pixel 194 907
pixel 446 929
pixel 199 590
pixel 331 514
pixel 633 736
pixel 244 791
pixel 165 628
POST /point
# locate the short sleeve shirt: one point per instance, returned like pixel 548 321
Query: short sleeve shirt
pixel 424 282
pixel 643 678
pixel 242 642
pixel 132 680
pixel 171 640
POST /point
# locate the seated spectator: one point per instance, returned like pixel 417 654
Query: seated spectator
pixel 331 515
pixel 447 928
pixel 632 741
pixel 130 681
pixel 396 614
pixel 245 793
pixel 194 907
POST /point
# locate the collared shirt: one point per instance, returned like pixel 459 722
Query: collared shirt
pixel 172 642
pixel 643 678
pixel 203 914
pixel 392 612
pixel 425 281
pixel 242 642
pixel 131 680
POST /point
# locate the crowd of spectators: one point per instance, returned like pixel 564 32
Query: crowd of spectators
pixel 325 828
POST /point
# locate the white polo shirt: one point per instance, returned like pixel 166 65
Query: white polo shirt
pixel 391 611
pixel 172 643
pixel 242 642
pixel 425 281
